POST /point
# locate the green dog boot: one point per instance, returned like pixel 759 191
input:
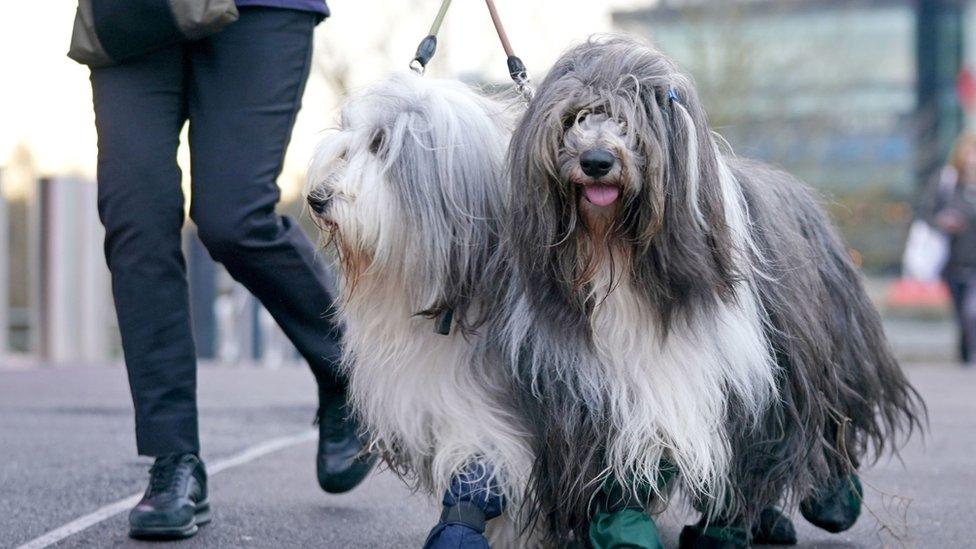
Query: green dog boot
pixel 624 529
pixel 713 536
pixel 773 528
pixel 621 521
pixel 835 509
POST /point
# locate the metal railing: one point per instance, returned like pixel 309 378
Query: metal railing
pixel 69 316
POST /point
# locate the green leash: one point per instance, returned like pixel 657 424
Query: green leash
pixel 428 46
pixel 435 27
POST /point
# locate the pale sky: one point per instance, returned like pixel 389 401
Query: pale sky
pixel 45 98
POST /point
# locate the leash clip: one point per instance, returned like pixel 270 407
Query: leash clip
pixel 425 52
pixel 673 95
pixel 520 75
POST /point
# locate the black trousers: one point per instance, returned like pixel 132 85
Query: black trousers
pixel 962 288
pixel 240 90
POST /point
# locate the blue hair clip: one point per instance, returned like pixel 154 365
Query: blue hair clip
pixel 673 95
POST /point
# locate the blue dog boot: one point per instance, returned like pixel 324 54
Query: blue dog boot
pixel 462 526
pixel 469 504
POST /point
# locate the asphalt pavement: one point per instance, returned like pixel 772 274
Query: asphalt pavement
pixel 67 451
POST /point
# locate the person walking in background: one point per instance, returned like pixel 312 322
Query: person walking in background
pixel 240 90
pixel 952 210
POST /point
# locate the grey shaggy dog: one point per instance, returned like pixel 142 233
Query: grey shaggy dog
pixel 719 280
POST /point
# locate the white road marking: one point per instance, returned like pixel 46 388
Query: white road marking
pixel 112 509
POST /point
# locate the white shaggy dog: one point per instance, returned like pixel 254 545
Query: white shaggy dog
pixel 409 189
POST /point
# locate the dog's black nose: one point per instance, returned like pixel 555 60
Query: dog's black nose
pixel 597 163
pixel 319 202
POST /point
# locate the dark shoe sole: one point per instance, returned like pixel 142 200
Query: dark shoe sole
pixel 201 516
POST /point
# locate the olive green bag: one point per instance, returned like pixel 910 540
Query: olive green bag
pixel 108 32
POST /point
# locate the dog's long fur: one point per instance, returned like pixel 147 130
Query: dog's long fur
pixel 412 186
pixel 713 319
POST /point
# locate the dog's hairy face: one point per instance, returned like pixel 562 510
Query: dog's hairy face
pixel 350 193
pixel 617 170
pixel 409 188
pixel 599 156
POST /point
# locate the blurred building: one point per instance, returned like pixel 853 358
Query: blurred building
pixel 856 97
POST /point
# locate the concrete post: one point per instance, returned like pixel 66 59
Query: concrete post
pixel 73 301
pixel 4 273
pixel 235 333
pixel 35 283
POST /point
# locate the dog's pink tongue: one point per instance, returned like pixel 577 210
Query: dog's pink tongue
pixel 601 195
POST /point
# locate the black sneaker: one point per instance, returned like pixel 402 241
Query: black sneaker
pixel 175 503
pixel 342 462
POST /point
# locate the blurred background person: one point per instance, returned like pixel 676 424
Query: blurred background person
pixel 952 210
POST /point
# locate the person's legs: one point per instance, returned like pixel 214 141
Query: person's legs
pixel 140 108
pixel 957 290
pixel 139 111
pixel 967 319
pixel 245 89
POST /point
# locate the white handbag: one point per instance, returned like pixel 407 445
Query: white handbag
pixel 926 252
